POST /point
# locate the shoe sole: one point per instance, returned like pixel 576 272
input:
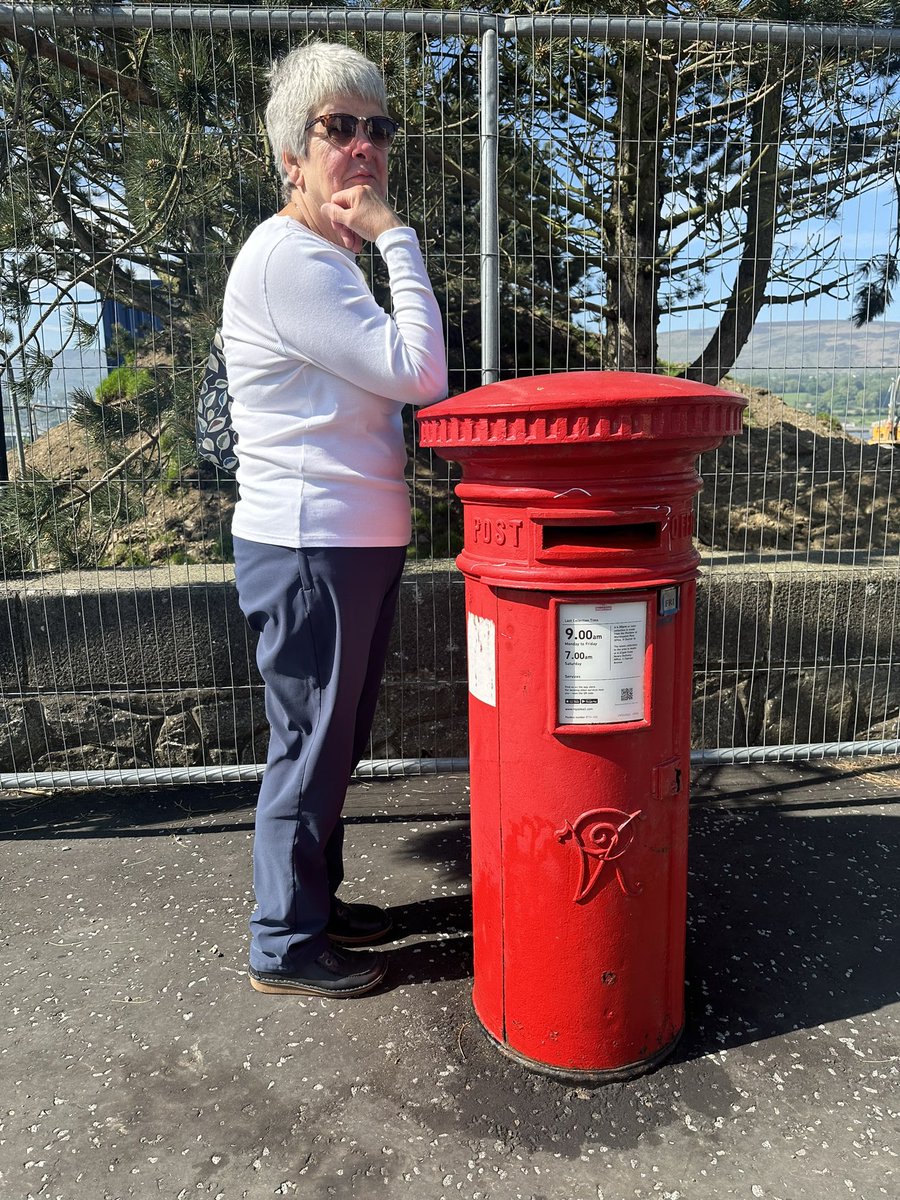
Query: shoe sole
pixel 366 939
pixel 310 989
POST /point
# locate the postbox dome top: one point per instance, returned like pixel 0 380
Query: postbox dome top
pixel 576 389
pixel 586 407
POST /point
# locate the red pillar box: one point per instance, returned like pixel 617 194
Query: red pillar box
pixel 580 571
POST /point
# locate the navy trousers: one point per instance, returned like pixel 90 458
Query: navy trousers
pixel 324 619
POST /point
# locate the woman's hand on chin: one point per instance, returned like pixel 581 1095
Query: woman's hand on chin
pixel 358 214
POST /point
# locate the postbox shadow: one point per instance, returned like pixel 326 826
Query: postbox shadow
pixel 791 911
pixel 791 917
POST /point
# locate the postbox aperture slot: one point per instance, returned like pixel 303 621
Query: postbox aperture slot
pixel 641 535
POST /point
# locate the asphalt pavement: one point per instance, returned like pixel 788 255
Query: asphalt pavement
pixel 138 1062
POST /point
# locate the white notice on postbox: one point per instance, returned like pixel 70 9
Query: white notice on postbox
pixel 482 656
pixel 601 663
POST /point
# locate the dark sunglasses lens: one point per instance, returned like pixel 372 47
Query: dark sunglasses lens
pixel 382 130
pixel 341 128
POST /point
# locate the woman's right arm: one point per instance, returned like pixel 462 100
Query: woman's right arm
pixel 323 312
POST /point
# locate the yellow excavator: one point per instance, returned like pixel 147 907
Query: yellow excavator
pixel 888 430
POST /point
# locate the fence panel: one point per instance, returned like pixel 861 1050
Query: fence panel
pixel 700 197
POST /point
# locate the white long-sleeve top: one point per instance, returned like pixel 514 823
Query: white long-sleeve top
pixel 318 373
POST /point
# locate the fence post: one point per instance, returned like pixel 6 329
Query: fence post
pixel 4 465
pixel 490 228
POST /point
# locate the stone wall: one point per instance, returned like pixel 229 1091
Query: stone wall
pixel 796 652
pixel 154 668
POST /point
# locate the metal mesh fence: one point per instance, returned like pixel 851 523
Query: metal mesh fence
pixel 712 199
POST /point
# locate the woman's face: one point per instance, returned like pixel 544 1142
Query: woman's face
pixel 330 168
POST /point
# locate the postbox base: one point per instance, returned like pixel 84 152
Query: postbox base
pixel 583 1078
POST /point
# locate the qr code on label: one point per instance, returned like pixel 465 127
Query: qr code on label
pixel 626 693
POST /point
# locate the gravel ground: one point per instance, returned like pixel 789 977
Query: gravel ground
pixel 137 1061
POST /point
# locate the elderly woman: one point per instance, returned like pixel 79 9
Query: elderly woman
pixel 319 372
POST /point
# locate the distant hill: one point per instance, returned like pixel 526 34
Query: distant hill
pixel 801 345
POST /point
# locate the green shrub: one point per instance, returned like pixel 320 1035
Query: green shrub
pixel 832 422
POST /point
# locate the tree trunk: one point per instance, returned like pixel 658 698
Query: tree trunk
pixel 631 223
pixel 749 292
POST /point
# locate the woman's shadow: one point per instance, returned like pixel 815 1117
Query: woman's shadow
pixel 437 930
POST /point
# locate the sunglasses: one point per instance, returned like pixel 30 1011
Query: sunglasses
pixel 341 128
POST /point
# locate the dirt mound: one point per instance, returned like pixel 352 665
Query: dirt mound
pixel 768 408
pixel 183 519
pixel 793 482
pixel 63 453
pixel 790 482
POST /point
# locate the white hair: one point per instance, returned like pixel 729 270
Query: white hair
pixel 303 82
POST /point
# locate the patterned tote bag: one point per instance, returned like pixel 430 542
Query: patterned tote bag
pixel 216 439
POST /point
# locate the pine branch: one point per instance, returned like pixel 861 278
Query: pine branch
pixel 37 46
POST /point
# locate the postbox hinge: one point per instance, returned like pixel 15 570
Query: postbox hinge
pixel 669 778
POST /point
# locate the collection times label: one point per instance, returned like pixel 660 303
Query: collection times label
pixel 601 663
